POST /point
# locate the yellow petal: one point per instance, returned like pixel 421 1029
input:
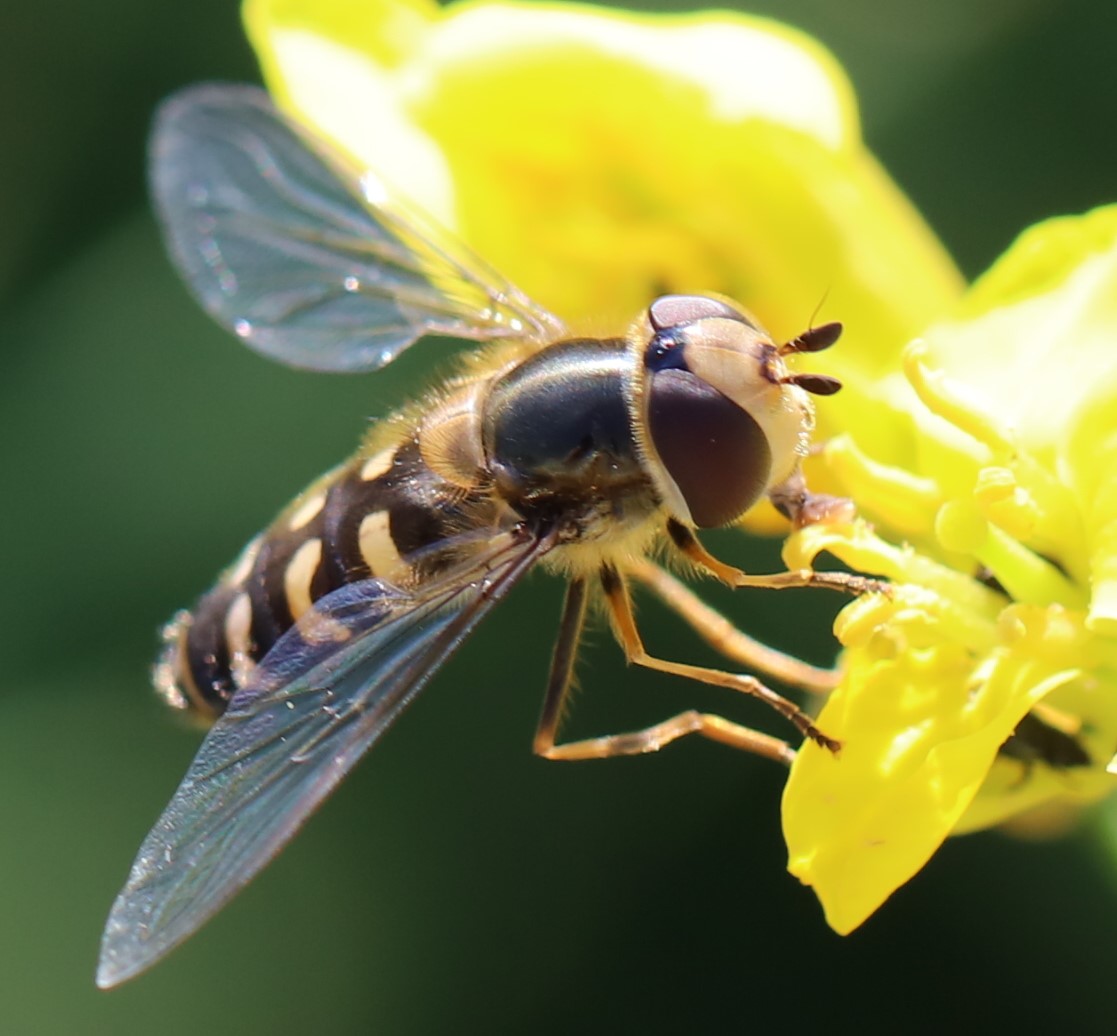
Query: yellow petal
pixel 922 719
pixel 342 67
pixel 599 157
pixel 1011 463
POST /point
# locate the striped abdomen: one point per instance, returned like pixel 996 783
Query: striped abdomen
pixel 389 516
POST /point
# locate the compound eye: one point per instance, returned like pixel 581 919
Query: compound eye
pixel 675 310
pixel 715 452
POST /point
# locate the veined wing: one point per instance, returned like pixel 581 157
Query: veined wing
pixel 314 705
pixel 306 260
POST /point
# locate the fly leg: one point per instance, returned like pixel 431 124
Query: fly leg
pixel 724 637
pixel 653 738
pixel 687 544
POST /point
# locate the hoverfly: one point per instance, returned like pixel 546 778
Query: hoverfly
pixel 583 455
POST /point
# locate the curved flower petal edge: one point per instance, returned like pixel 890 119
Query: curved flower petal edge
pixel 598 158
pixel 986 685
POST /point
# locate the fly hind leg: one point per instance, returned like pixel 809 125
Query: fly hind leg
pixel 653 738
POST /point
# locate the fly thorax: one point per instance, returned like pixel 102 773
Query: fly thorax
pixel 558 436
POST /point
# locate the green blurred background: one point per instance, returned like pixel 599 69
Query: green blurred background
pixel 455 883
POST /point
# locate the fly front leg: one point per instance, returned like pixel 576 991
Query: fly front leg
pixel 688 545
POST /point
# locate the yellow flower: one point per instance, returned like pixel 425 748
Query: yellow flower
pixel 598 158
pixel 1002 481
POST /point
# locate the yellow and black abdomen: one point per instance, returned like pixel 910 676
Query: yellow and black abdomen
pixel 387 516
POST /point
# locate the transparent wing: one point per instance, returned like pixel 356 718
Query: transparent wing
pixel 308 261
pixel 317 702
